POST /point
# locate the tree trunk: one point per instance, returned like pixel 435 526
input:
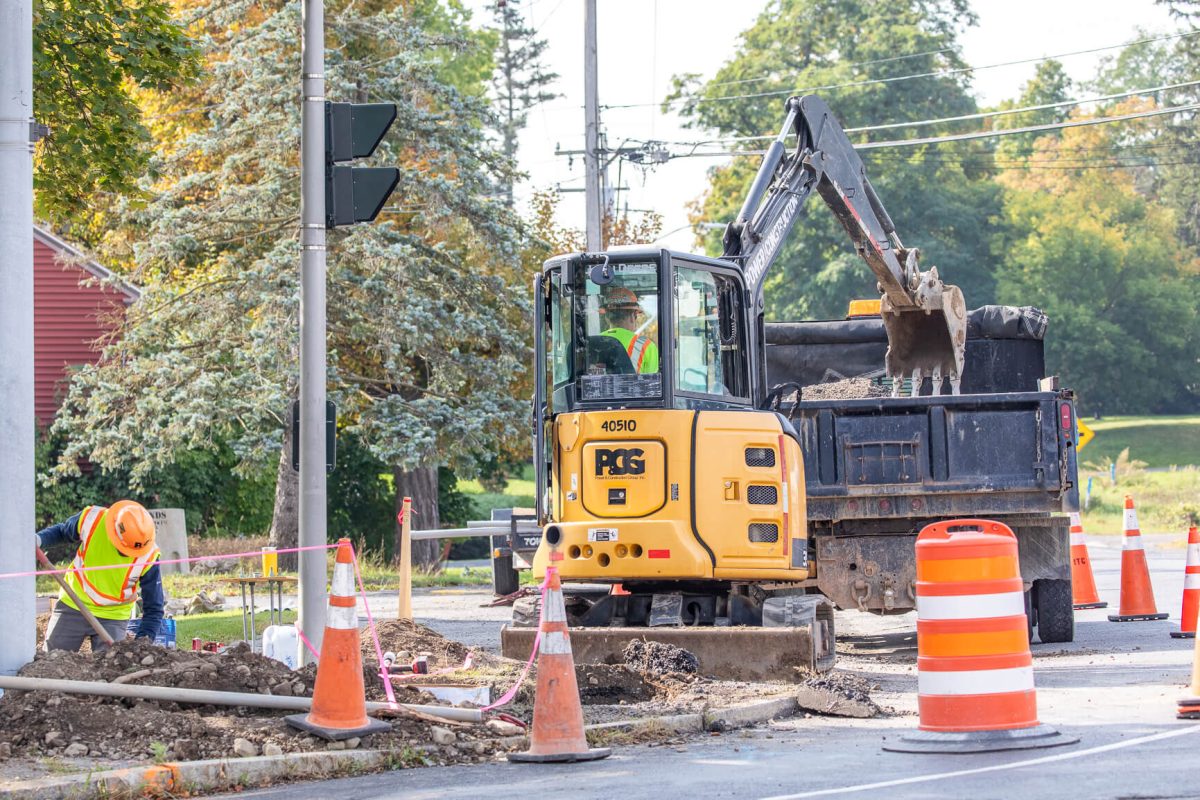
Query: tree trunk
pixel 421 485
pixel 285 521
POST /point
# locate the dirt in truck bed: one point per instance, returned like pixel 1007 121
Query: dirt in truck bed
pixel 848 389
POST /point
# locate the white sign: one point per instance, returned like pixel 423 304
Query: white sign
pixel 602 534
pixel 170 534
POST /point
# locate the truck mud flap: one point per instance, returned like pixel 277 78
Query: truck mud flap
pixel 728 653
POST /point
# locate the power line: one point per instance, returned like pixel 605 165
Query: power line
pixel 962 137
pixel 963 117
pixel 933 74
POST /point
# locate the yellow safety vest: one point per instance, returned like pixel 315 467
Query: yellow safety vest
pixel 107 593
pixel 641 351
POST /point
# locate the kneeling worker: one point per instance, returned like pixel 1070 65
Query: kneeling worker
pixel 120 537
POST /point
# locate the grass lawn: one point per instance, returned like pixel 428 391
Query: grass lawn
pixel 1159 441
pixel 222 626
pixel 1166 502
pixel 518 494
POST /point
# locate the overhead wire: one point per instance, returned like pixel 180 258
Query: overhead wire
pixel 914 76
pixel 961 117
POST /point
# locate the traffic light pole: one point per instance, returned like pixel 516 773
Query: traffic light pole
pixel 312 328
pixel 17 596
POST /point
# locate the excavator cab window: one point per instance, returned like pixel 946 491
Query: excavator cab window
pixel 710 348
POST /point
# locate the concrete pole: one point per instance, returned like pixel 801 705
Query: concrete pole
pixel 312 329
pixel 591 118
pixel 18 635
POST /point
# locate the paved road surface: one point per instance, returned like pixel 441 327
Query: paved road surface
pixel 1114 688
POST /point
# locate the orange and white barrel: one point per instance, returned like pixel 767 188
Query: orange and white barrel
pixel 975 690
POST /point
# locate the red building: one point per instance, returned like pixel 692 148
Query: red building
pixel 74 304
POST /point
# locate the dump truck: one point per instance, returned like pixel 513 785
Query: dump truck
pixel 689 492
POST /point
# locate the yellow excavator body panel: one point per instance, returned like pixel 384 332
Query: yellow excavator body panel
pixel 675 495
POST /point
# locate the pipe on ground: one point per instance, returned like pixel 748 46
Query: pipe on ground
pixel 206 697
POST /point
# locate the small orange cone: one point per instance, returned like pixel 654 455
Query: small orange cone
pixel 339 708
pixel 1191 588
pixel 1083 583
pixel 1137 596
pixel 557 733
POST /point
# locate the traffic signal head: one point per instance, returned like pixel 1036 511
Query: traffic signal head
pixel 354 130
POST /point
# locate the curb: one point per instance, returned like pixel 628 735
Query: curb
pixel 224 774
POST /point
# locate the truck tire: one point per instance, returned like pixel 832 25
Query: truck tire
pixel 1055 613
pixel 505 579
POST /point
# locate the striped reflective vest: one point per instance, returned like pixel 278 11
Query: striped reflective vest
pixel 107 593
pixel 641 351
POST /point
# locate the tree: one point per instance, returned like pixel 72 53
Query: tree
pixel 89 58
pixel 1104 262
pixel 427 309
pixel 862 58
pixel 520 81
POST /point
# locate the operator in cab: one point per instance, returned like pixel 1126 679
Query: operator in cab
pixel 622 313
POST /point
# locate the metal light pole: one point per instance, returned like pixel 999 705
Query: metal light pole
pixel 312 328
pixel 591 116
pixel 18 635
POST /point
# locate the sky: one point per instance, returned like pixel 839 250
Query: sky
pixel 643 43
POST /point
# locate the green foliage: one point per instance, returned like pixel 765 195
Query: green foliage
pixel 88 57
pixel 938 204
pixel 1104 262
pixel 215 500
pixel 361 501
pixel 455 508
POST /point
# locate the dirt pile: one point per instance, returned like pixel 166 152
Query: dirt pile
pixel 41 724
pixel 659 658
pixel 848 389
pixel 409 639
pixel 612 684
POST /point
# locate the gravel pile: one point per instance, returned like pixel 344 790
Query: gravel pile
pixel 848 389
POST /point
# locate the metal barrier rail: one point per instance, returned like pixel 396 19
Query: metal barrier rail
pixel 476 528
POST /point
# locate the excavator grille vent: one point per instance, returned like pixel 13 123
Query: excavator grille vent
pixel 762 495
pixel 764 532
pixel 760 457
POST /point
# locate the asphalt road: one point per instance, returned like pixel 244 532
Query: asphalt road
pixel 1114 688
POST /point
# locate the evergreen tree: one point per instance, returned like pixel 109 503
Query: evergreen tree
pixel 520 81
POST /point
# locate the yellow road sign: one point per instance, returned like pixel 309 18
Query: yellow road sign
pixel 1085 434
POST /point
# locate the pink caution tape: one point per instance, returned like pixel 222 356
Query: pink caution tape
pixel 307 643
pixel 192 560
pixel 537 641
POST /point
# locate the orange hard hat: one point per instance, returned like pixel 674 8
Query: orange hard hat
pixel 130 528
pixel 621 299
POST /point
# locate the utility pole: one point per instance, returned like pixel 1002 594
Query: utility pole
pixel 312 328
pixel 18 635
pixel 591 115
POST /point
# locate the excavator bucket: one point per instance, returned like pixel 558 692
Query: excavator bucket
pixel 927 339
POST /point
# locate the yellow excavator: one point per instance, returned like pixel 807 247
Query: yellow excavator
pixel 671 488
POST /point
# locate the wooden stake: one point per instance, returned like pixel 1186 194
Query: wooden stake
pixel 405 610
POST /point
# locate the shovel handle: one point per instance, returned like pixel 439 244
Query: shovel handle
pixel 88 615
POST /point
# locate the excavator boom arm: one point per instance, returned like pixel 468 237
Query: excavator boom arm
pixel 925 319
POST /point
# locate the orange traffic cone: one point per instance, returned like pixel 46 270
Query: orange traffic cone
pixel 1191 588
pixel 339 708
pixel 557 733
pixel 1083 583
pixel 1137 596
